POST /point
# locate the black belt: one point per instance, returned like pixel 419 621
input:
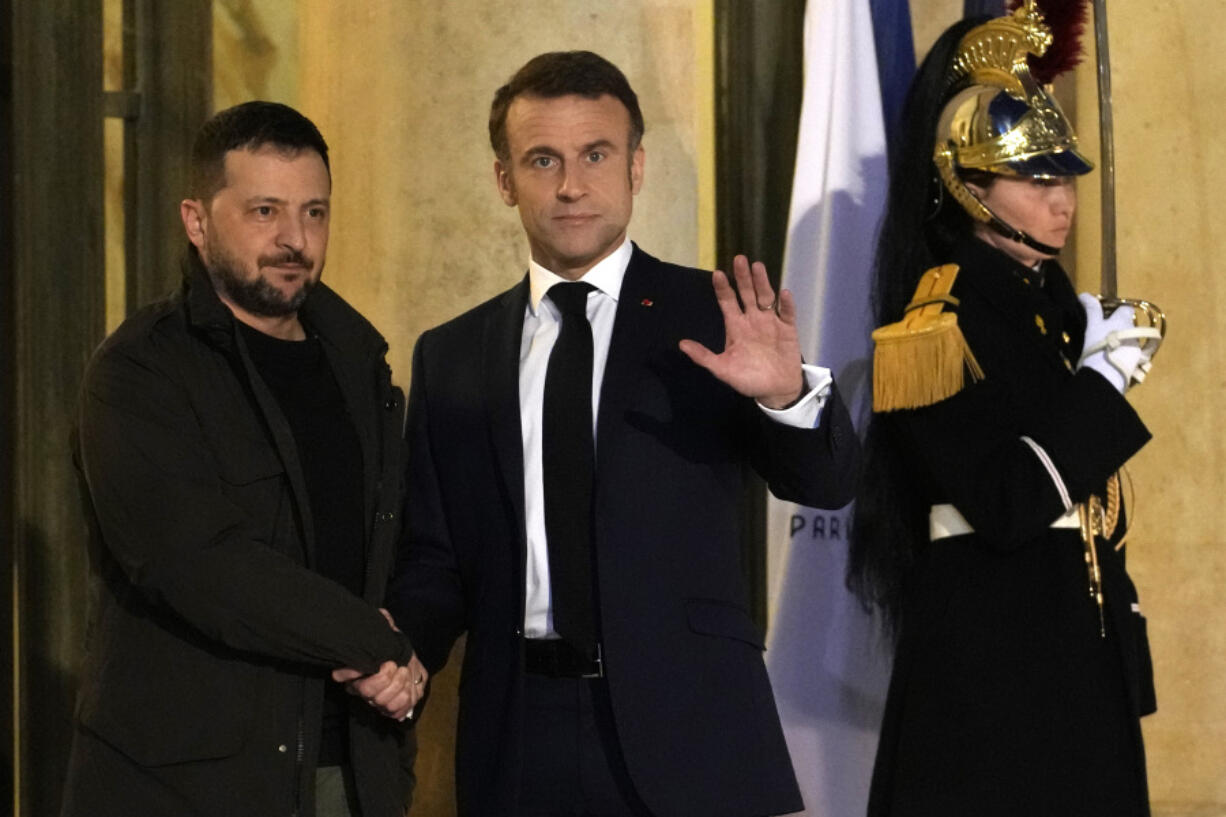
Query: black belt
pixel 555 658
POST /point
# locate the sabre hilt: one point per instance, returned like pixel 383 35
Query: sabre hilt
pixel 1148 332
pixel 1146 315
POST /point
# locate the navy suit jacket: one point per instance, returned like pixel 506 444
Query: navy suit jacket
pixel 691 699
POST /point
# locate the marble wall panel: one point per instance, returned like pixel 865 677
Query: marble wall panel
pixel 1169 71
pixel 402 92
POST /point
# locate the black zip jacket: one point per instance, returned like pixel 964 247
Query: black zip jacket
pixel 210 636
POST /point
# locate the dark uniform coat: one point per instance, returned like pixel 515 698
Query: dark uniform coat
pixel 210 637
pixel 691 700
pixel 1005 700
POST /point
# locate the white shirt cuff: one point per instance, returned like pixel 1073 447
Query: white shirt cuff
pixel 808 410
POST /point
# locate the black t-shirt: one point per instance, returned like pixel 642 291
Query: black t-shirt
pixel 300 378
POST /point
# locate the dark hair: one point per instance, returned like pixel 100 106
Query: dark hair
pixel 248 126
pixel 561 73
pixel 922 223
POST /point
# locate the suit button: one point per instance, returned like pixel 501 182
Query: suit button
pixel 282 748
pixel 390 405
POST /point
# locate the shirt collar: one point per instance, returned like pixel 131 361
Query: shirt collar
pixel 606 276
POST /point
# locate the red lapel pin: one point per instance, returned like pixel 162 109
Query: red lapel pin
pixel 646 302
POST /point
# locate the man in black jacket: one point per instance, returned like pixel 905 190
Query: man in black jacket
pixel 239 445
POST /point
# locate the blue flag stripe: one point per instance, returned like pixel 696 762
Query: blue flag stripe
pixel 895 58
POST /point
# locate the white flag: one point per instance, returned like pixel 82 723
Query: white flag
pixel 828 662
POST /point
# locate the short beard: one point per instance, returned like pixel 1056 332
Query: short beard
pixel 256 297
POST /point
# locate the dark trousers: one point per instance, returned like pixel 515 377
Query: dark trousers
pixel 335 795
pixel 572 764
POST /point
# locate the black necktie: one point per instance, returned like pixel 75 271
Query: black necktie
pixel 569 460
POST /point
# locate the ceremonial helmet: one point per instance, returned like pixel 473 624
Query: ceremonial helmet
pixel 1000 119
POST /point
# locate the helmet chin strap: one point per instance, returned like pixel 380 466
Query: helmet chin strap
pixel 943 159
pixel 1003 228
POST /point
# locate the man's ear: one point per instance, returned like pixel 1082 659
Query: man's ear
pixel 506 185
pixel 194 215
pixel 636 170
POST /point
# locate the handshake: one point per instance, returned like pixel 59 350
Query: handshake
pixel 394 690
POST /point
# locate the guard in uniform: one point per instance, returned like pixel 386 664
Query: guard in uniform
pixel 991 520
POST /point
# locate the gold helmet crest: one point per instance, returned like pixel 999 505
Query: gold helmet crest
pixel 1000 119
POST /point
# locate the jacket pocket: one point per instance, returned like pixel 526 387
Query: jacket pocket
pixel 719 618
pixel 253 478
pixel 160 696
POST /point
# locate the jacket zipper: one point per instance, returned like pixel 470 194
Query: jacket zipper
pixel 298 755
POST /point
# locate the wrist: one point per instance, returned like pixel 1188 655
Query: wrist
pixel 1099 364
pixel 786 400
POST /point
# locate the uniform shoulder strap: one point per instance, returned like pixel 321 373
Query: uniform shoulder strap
pixel 923 358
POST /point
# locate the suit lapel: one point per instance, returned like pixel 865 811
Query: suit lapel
pixel 501 347
pixel 642 308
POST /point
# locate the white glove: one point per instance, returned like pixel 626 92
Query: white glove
pixel 1109 349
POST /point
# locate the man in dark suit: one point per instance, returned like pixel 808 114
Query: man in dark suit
pixel 576 452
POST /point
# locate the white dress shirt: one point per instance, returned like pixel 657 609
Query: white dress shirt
pixel 541 323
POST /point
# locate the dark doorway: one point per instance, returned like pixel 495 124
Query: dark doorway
pixel 52 316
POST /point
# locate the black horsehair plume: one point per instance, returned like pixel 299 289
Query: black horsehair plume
pixel 1067 21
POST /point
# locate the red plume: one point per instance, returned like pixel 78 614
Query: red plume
pixel 1067 21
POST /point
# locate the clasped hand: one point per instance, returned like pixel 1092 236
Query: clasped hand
pixel 394 690
pixel 761 357
pixel 1112 344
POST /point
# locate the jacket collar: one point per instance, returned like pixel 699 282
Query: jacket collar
pixel 607 276
pixel 324 313
pixel 1042 306
pixel 1009 286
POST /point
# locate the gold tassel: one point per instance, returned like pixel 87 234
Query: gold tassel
pixel 923 358
pixel 1113 505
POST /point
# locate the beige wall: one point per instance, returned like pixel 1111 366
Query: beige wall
pixel 1169 70
pixel 928 19
pixel 255 51
pixel 401 91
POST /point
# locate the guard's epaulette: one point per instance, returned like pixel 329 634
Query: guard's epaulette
pixel 923 358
